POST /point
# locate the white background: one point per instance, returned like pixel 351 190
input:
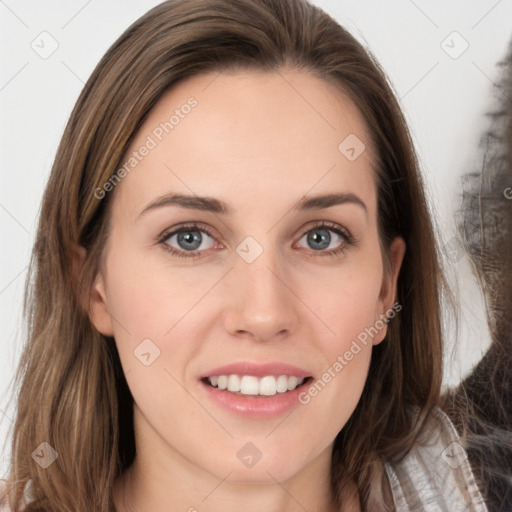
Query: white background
pixel 445 100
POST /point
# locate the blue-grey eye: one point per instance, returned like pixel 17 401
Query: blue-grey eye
pixel 320 238
pixel 190 239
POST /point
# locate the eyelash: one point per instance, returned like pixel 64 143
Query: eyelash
pixel 350 240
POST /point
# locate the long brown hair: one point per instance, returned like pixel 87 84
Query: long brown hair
pixel 72 390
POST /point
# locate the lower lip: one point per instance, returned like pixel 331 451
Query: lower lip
pixel 255 406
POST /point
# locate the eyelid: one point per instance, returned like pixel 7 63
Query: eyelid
pixel 187 226
pixel 334 226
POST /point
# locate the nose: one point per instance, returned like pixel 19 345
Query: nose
pixel 261 304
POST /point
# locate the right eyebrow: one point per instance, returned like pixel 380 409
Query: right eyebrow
pixel 208 204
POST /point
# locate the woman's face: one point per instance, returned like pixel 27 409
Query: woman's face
pixel 256 295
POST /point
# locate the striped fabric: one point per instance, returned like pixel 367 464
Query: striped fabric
pixel 435 475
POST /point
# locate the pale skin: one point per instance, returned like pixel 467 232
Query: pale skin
pixel 258 145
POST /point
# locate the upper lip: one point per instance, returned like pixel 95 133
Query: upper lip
pixel 257 369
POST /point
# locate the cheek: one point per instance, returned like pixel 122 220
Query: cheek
pixel 347 302
pixel 154 318
pixel 147 299
pixel 161 317
pixel 348 307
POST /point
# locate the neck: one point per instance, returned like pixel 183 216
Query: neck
pixel 146 486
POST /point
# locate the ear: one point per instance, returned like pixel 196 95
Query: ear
pixel 95 301
pixel 98 306
pixel 389 284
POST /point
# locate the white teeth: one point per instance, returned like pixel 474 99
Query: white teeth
pixel 281 384
pixel 250 385
pixel 233 383
pixel 268 386
pixel 292 383
pixel 222 382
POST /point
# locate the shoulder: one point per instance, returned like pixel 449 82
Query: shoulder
pixel 27 497
pixel 435 474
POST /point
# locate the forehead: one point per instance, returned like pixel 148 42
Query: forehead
pixel 246 135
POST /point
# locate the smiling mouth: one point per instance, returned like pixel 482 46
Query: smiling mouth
pixel 250 385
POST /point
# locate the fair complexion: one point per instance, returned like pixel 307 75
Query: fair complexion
pixel 258 142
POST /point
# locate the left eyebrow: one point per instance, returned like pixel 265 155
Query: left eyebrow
pixel 318 202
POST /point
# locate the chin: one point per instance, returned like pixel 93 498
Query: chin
pixel 265 470
pixel 267 474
